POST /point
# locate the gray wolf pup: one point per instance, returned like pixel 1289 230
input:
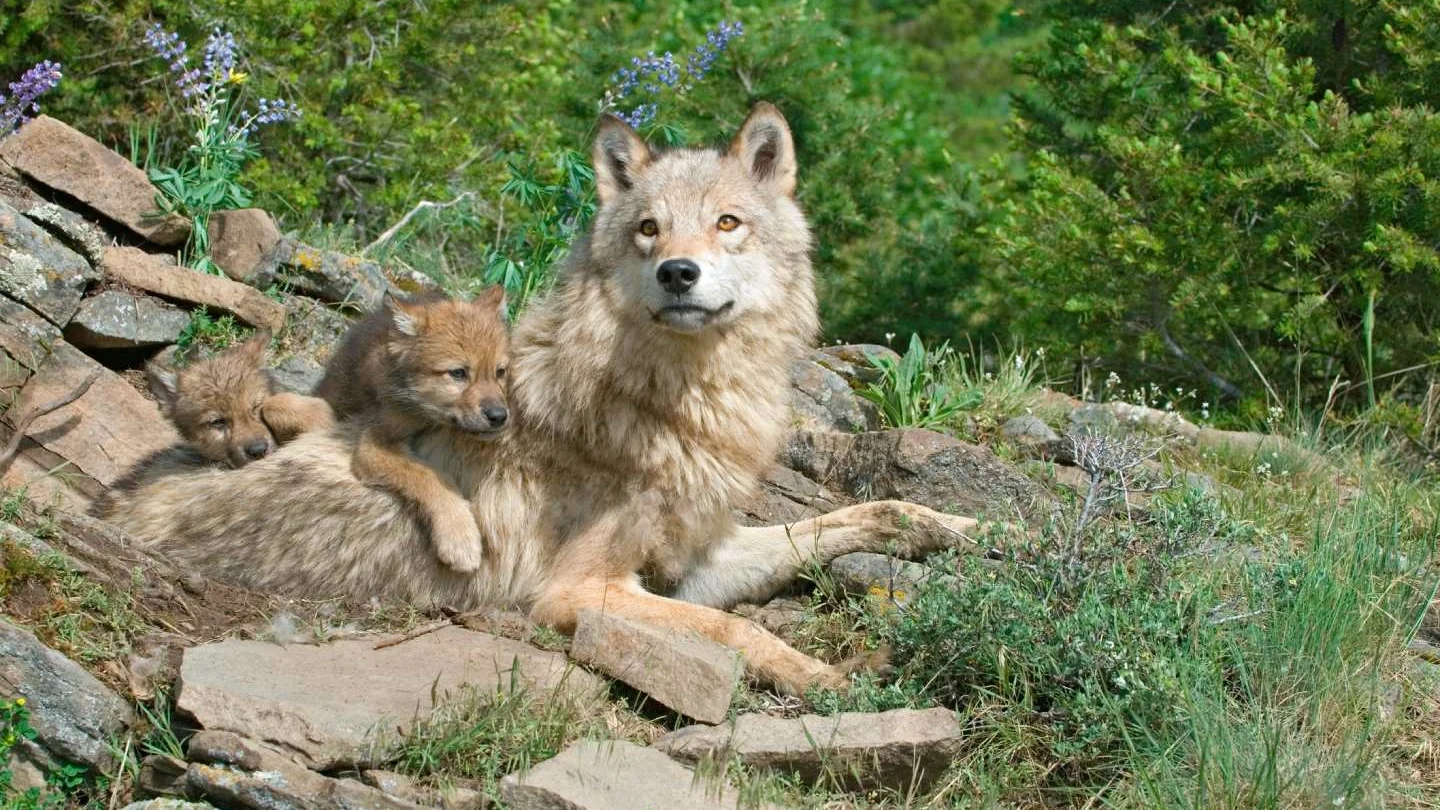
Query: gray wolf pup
pixel 226 408
pixel 650 389
pixel 412 365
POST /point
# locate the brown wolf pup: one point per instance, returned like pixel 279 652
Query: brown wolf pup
pixel 226 407
pixel 411 366
pixel 651 390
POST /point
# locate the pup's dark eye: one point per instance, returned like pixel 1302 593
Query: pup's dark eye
pixel 727 223
pixel 459 374
pixel 500 372
pixel 648 227
pixel 218 423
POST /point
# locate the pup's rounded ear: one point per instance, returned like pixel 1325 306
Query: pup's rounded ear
pixel 163 381
pixel 493 300
pixel 408 318
pixel 253 350
pixel 766 149
pixel 618 153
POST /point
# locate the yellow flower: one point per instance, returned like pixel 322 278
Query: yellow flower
pixel 19 701
pixel 238 77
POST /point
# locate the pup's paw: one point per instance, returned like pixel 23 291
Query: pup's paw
pixel 457 538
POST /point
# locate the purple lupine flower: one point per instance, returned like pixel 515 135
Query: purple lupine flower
pixel 24 96
pixel 220 51
pixel 715 43
pixel 651 75
pixel 168 46
pixel 273 112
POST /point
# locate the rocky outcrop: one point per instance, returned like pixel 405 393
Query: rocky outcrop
pixel 240 241
pixel 921 466
pixel 62 160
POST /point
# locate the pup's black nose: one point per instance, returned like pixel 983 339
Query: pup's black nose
pixel 259 448
pixel 497 414
pixel 677 276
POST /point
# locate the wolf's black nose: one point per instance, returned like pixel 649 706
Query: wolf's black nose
pixel 677 276
pixel 257 449
pixel 497 414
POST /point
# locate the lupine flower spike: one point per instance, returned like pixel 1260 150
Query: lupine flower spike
pixel 24 95
pixel 651 75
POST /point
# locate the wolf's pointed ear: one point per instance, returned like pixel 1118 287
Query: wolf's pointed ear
pixel 404 316
pixel 493 300
pixel 765 147
pixel 617 154
pixel 164 383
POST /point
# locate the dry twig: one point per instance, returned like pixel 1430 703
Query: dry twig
pixel 12 447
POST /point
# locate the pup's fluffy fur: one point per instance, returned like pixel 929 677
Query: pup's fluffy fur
pixel 413 365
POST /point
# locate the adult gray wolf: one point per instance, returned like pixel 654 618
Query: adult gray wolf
pixel 649 389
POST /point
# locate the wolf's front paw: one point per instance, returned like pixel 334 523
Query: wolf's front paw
pixel 457 537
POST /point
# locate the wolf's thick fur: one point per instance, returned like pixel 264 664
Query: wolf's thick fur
pixel 226 408
pixel 404 369
pixel 645 401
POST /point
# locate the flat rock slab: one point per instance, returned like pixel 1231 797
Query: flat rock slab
pixel 75 717
pixel 692 675
pixel 334 705
pixel 898 748
pixel 103 433
pixel 38 270
pixel 115 319
pixel 61 158
pixel 236 772
pixel 613 775
pixel 159 276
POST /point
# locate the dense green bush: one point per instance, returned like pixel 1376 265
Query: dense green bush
pixel 1230 196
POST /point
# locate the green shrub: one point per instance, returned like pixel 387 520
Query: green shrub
pixel 1089 641
pixel 1232 198
pixel 917 389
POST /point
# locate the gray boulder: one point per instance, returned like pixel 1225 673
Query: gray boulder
pixel 75 717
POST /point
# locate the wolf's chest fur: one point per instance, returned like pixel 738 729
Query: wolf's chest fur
pixel 627 415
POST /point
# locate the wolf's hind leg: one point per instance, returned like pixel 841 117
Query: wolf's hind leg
pixel 289 415
pixel 755 563
pixel 453 529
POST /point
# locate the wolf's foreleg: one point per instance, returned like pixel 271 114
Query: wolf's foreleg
pixel 755 563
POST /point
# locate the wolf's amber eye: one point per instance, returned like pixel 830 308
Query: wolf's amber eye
pixel 727 223
pixel 459 374
pixel 500 372
pixel 217 423
pixel 648 227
